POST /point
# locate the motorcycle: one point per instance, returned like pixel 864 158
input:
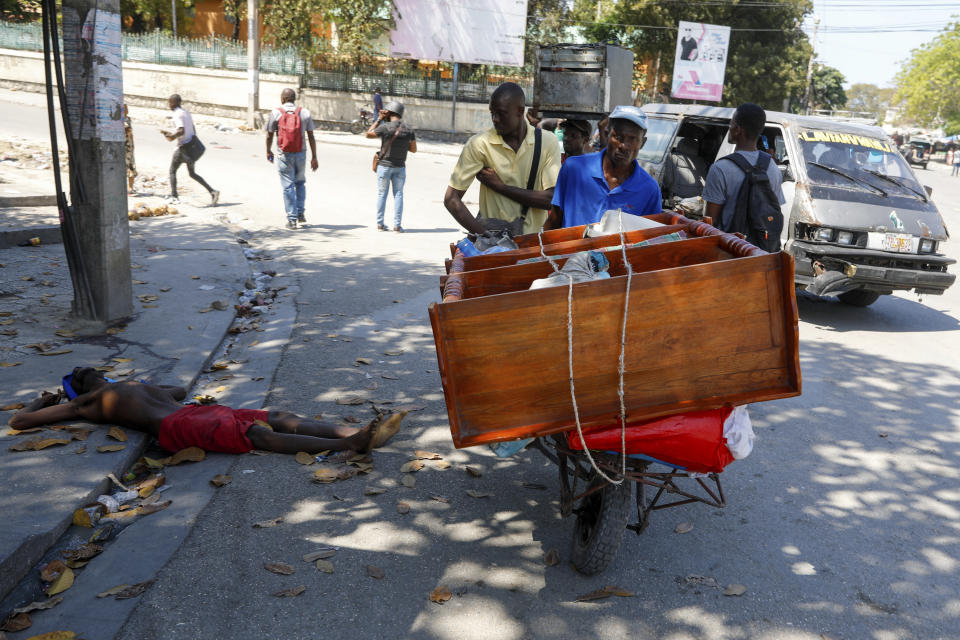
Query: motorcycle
pixel 362 123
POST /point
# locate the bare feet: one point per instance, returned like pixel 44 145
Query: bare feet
pixel 385 430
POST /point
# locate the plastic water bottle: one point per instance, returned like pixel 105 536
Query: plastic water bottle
pixel 467 249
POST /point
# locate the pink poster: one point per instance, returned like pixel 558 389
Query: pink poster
pixel 701 61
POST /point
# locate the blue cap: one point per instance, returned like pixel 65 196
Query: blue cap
pixel 631 113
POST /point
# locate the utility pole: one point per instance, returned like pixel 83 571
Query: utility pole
pixel 253 61
pixel 173 11
pixel 808 94
pixel 94 97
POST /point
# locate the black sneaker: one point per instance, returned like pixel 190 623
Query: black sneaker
pixel 301 217
pixel 291 224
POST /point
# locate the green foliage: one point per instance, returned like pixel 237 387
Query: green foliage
pixel 156 14
pixel 870 98
pixel 547 23
pixel 827 88
pixel 928 84
pixel 235 11
pixel 19 10
pixel 358 24
pixel 289 23
pixel 764 67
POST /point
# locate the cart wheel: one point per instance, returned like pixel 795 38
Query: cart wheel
pixel 356 127
pixel 601 520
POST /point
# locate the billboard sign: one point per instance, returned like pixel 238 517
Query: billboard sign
pixel 471 31
pixel 701 61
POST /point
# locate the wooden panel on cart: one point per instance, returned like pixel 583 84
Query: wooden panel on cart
pixel 706 329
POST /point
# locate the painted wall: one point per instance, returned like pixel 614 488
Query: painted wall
pixel 224 93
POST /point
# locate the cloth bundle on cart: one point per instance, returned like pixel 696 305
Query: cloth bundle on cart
pixel 700 441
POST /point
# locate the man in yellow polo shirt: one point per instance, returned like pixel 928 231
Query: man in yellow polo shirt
pixel 501 159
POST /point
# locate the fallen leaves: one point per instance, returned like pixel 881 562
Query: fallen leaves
pixel 280 568
pixel 373 491
pixel 551 557
pixel 375 572
pixel 412 466
pixel 473 493
pixel 147 509
pixel 37 606
pixel 10 364
pixel 55 635
pixel 363 361
pixel 17 622
pixel 108 448
pixel 292 592
pixel 408 480
pixel 439 498
pixel 305 458
pixel 326 475
pixel 38 443
pixel 473 471
pixel 190 454
pixel 266 524
pixel 221 480
pixel 343 400
pixel 126 591
pixel 606 592
pixel 324 565
pixel 403 508
pixel 735 590
pixel 320 554
pixel 12 407
pixel 83 552
pixel 117 434
pixel 59 575
pixel 440 595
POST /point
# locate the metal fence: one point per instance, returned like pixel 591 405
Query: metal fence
pixel 217 53
pixel 159 48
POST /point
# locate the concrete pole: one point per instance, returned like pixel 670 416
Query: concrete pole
pixel 253 61
pixel 173 11
pixel 808 94
pixel 453 108
pixel 94 95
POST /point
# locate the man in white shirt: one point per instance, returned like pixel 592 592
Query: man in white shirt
pixel 188 150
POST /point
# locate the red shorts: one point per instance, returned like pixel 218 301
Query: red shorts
pixel 211 427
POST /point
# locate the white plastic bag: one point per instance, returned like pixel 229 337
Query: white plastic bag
pixel 738 432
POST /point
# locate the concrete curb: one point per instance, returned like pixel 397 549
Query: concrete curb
pixel 46 235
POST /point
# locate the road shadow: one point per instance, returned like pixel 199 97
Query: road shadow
pixel 889 314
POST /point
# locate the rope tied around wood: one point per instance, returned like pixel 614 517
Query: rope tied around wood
pixel 620 363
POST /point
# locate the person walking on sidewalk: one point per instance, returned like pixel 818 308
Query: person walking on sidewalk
pixel 396 139
pixel 956 162
pixel 189 149
pixel 289 122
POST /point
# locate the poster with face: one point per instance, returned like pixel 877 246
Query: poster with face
pixel 701 61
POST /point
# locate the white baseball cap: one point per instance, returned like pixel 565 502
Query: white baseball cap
pixel 631 113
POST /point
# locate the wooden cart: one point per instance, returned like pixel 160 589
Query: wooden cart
pixel 712 322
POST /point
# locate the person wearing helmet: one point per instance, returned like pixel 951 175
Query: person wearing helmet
pixel 396 140
pixel 591 184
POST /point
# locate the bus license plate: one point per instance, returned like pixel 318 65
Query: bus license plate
pixel 899 242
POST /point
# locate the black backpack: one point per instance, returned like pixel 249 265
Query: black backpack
pixel 757 215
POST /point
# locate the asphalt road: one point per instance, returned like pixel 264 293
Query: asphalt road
pixel 843 523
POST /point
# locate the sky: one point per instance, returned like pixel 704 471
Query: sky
pixel 868 39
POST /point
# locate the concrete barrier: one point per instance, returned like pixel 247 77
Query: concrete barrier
pixel 220 92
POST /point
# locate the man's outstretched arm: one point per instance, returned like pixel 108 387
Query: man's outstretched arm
pixel 41 412
pixel 453 201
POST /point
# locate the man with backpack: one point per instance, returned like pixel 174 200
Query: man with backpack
pixel 289 122
pixel 743 190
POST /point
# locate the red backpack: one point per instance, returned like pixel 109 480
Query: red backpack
pixel 289 134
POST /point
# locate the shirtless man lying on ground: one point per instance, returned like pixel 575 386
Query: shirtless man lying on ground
pixel 156 409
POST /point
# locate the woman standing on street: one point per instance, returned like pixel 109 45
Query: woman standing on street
pixel 396 139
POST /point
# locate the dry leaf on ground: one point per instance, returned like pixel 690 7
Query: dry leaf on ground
pixel 52 570
pixel 113 591
pixel 12 407
pixel 281 568
pixel 440 464
pixel 305 458
pixel 375 572
pixel 373 491
pixel 324 565
pixel 83 552
pixel 606 592
pixel 292 592
pixel 50 442
pixel 473 493
pixel 440 595
pixel 440 498
pixel 266 524
pixel 190 454
pixel 82 449
pixel 412 466
pixel 221 480
pixel 552 557
pixel 109 448
pixel 426 455
pixel 408 480
pixel 683 527
pixel 319 554
pixel 735 590
pixel 16 623
pixel 403 507
pixel 63 582
pixel 363 361
pixel 38 606
pixel 326 474
pixel 132 591
pixel 474 471
pixel 117 434
pixel 18 432
pixel 394 352
pixel 147 509
pixel 350 400
pixel 79 433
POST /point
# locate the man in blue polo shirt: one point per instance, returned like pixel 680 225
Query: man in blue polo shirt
pixel 589 185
